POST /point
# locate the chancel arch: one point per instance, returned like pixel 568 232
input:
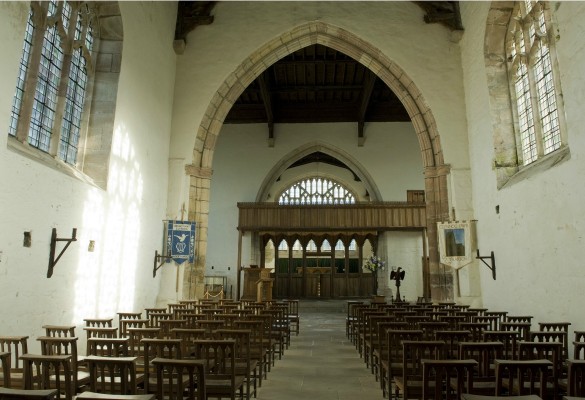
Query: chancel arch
pixel 435 170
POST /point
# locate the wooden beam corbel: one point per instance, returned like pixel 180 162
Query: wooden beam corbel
pixel 267 100
pixel 369 81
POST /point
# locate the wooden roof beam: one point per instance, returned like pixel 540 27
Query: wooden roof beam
pixel 369 81
pixel 267 100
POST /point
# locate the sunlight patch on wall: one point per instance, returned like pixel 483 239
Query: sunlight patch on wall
pixel 106 278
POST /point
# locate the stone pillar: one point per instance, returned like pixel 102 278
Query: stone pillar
pixel 437 203
pixel 200 182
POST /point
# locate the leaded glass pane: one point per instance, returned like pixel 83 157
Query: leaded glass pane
pixel 24 63
pixel 316 191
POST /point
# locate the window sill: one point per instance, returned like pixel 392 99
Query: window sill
pixel 539 166
pixel 32 153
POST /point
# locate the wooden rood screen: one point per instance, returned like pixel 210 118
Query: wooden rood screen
pixel 359 222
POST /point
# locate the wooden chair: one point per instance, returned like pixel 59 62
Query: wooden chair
pixel 351 316
pixel 66 345
pixel 269 343
pixel 16 346
pixel 187 336
pixel 522 377
pixel 430 327
pixel 127 324
pixel 245 365
pixel 575 382
pixel 452 339
pixel 5 369
pixel 381 349
pixel 413 352
pixel 125 316
pixel 220 357
pixel 508 338
pixel 167 325
pixel 113 375
pixel 523 328
pixel 59 330
pixel 447 379
pixel 99 332
pixel 579 350
pixel 108 347
pixel 560 327
pixel 42 372
pixel 475 328
pixel 485 353
pixel 491 320
pixel 180 379
pixel 258 352
pixel 155 318
pixel 391 363
pixel 135 336
pixel 158 348
pixel 545 351
pixel 372 339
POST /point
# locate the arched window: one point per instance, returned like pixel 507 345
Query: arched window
pixel 316 190
pixel 534 87
pixel 54 71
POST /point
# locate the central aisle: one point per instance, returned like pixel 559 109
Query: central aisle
pixel 321 363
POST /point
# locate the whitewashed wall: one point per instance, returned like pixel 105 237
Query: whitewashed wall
pixel 125 221
pixel 538 234
pixel 243 160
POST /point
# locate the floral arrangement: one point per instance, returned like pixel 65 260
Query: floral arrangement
pixel 374 263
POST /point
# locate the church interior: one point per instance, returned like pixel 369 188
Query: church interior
pixel 388 153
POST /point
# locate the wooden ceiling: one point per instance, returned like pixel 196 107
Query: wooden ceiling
pixel 316 84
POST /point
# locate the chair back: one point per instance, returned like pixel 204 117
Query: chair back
pixel 180 379
pixel 522 377
pixel 108 347
pixel 112 375
pixel 576 378
pixel 413 352
pixel 5 369
pixel 447 379
pixel 42 372
pixel 158 348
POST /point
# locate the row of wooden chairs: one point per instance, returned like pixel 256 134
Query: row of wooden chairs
pixel 130 346
pixel 378 331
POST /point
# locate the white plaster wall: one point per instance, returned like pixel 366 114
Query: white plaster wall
pixel 405 250
pixel 242 160
pixel 125 221
pixel 538 235
pixel 425 52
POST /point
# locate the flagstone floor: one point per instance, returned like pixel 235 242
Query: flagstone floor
pixel 320 363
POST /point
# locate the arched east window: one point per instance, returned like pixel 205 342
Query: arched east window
pixel 534 85
pixel 316 190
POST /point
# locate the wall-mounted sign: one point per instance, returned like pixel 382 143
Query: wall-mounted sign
pixel 181 241
pixel 456 242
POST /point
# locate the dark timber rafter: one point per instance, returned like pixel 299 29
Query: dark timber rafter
pixel 265 93
pixel 370 79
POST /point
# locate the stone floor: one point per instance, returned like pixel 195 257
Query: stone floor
pixel 320 363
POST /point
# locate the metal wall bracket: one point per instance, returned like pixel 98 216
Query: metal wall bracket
pixel 492 267
pixel 157 258
pixel 54 240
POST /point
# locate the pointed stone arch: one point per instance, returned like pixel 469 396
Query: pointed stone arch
pixel 318 32
pixel 322 147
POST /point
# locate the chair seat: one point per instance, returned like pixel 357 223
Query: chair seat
pixel 215 386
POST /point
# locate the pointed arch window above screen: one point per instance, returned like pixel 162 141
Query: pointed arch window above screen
pixel 315 191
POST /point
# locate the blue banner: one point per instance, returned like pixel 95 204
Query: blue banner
pixel 181 241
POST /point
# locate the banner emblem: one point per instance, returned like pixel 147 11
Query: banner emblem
pixel 181 241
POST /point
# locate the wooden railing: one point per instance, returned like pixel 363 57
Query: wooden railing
pixel 349 217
